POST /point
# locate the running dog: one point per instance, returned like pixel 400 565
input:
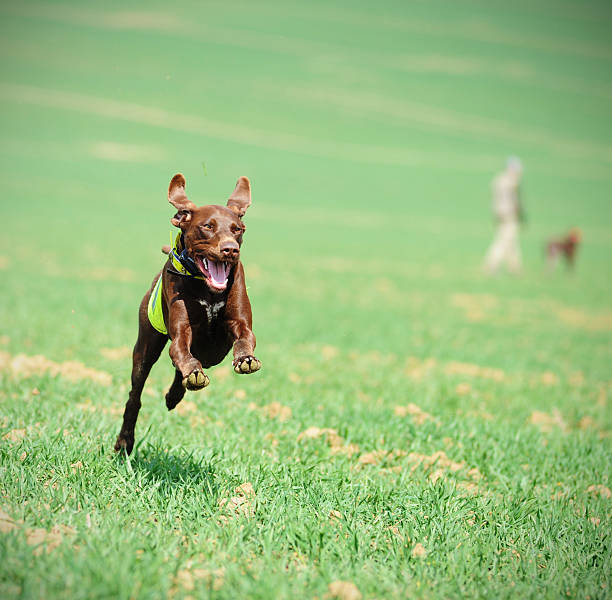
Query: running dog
pixel 198 301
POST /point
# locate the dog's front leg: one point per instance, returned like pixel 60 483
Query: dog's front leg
pixel 179 330
pixel 244 345
pixel 239 320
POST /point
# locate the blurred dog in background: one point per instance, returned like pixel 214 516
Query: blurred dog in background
pixel 565 247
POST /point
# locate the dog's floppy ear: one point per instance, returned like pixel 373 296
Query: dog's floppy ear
pixel 178 199
pixel 240 199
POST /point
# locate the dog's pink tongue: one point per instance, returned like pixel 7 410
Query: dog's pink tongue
pixel 217 272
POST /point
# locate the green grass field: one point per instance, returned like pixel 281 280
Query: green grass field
pixel 417 429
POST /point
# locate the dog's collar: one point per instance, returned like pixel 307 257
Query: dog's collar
pixel 182 263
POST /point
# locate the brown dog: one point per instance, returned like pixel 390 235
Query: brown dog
pixel 198 301
pixel 565 246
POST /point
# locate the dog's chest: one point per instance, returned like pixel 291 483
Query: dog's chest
pixel 212 309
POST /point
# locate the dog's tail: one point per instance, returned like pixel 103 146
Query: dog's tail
pixel 166 249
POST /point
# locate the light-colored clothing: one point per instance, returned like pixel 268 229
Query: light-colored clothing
pixel 507 210
pixel 505 248
pixel 505 188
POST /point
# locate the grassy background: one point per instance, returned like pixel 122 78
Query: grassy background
pixel 370 134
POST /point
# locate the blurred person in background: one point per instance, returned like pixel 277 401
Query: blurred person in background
pixel 509 215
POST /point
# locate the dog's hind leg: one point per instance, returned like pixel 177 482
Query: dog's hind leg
pixel 148 347
pixel 176 392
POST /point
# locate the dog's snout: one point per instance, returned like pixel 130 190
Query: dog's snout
pixel 229 249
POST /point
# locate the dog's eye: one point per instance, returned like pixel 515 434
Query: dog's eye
pixel 207 226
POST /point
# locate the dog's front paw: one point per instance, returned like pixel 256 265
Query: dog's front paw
pixel 196 380
pixel 246 364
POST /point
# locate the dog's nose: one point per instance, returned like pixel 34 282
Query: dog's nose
pixel 230 249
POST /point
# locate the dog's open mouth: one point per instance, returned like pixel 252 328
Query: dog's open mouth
pixel 216 272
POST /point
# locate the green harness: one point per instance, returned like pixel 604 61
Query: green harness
pixel 178 259
pixel 154 309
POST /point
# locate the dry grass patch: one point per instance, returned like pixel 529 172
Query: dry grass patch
pixel 365 360
pixel 330 435
pixel 438 459
pixel 472 370
pixel 15 435
pixel 275 410
pixel 343 590
pixel 548 378
pixel 189 577
pixel 28 366
pixel 380 457
pixel 329 352
pixel 548 422
pixel 418 551
pixel 463 389
pixel 335 516
pixel 46 541
pixel 439 465
pixel 418 369
pixel 475 307
pixel 242 504
pixel 599 490
pixel 185 407
pixel 335 442
pixel 576 379
pixel 419 416
pixel 121 353
pixel 7 523
pixel 580 318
